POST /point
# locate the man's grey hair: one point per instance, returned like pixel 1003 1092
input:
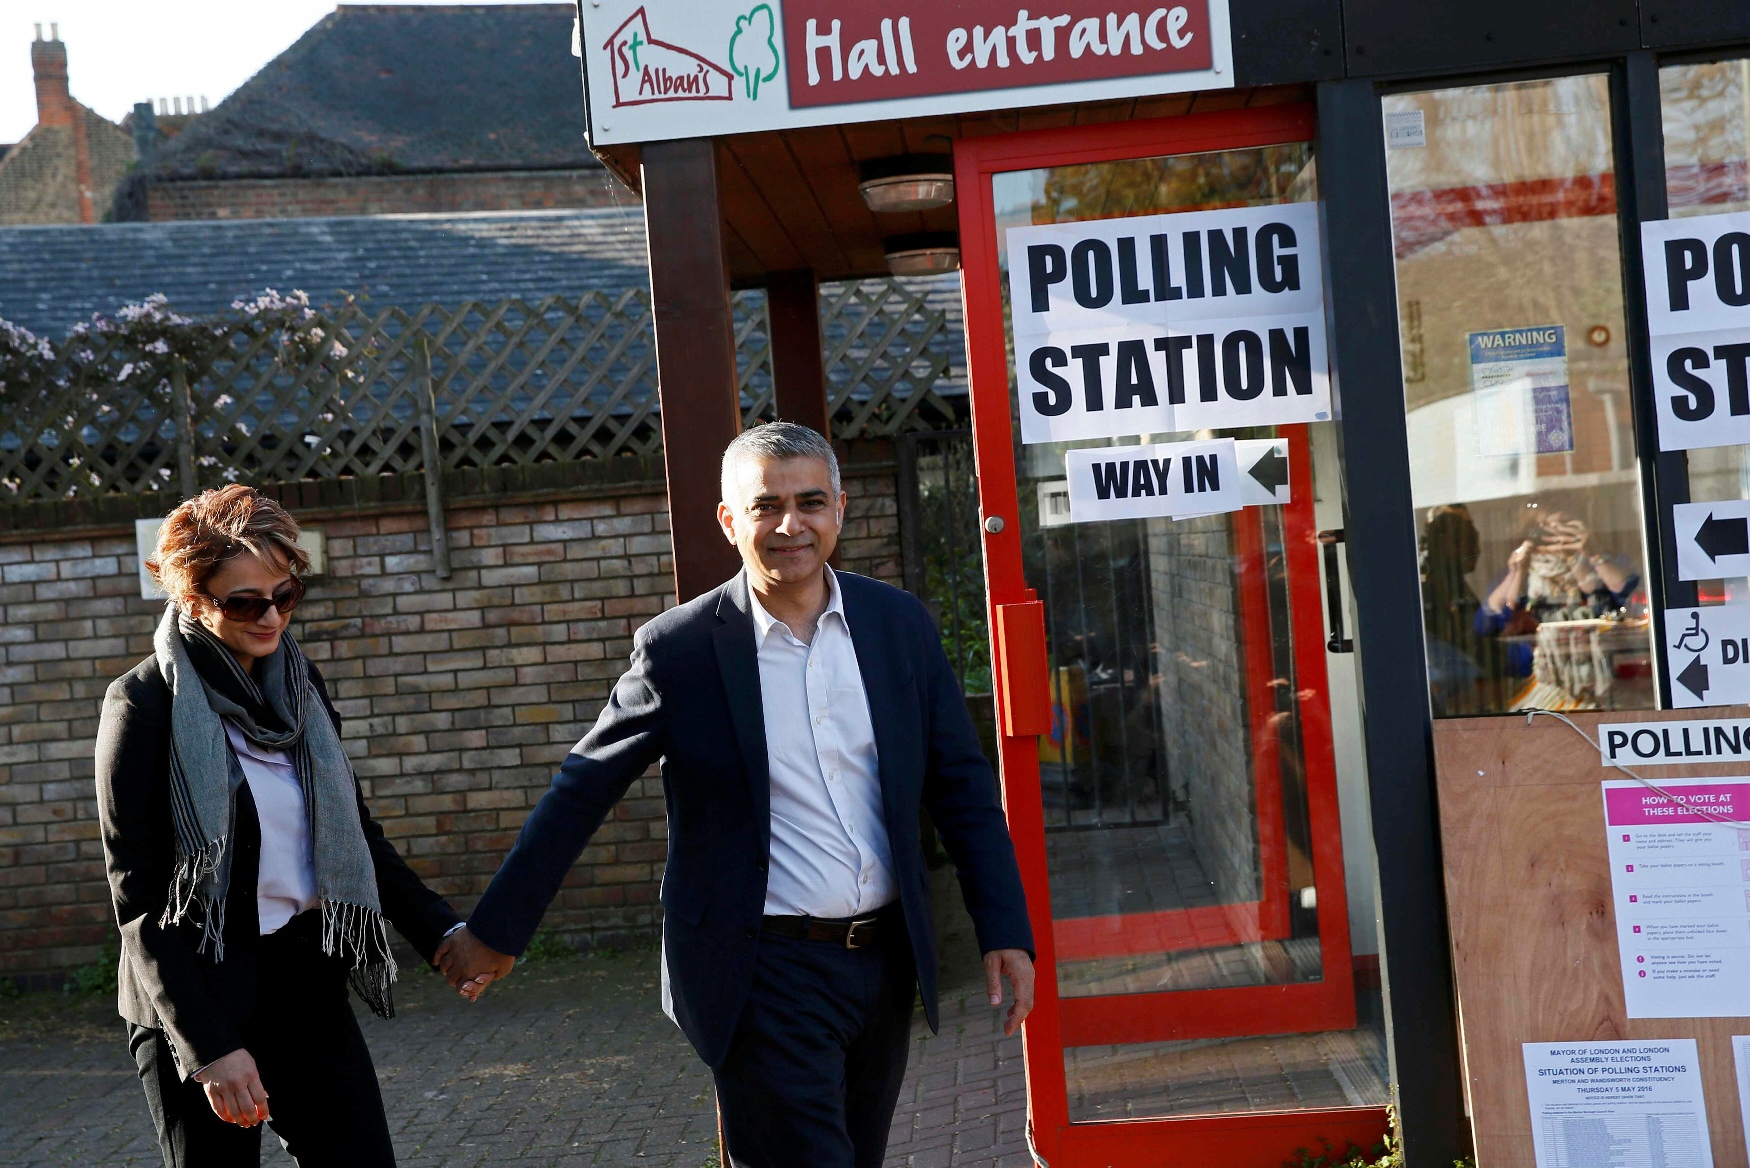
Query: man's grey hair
pixel 772 442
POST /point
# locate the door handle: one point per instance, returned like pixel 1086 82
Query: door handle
pixel 1026 697
pixel 1328 541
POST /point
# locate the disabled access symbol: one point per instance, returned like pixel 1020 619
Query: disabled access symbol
pixel 1694 639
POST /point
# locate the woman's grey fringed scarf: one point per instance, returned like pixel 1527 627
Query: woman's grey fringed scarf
pixel 205 775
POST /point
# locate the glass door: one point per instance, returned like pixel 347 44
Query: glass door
pixel 1176 802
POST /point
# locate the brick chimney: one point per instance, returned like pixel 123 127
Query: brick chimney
pixel 55 107
pixel 48 60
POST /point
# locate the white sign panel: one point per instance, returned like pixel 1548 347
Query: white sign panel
pixel 1680 874
pixel 1670 743
pixel 705 68
pixel 1263 470
pixel 1698 311
pixel 1713 539
pixel 1709 655
pixel 1162 323
pixel 1597 1104
pixel 1053 502
pixel 1171 480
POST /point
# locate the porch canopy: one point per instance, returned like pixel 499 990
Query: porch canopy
pixel 780 209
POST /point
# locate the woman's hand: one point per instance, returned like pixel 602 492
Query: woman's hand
pixel 469 964
pixel 234 1089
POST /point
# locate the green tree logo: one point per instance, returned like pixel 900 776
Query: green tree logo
pixel 753 49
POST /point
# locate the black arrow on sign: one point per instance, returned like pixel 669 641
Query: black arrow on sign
pixel 1694 679
pixel 1271 471
pixel 1723 537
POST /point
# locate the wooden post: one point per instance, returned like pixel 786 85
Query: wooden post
pixel 695 352
pixel 798 369
pixel 184 429
pixel 431 459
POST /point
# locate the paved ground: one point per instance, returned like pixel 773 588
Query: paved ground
pixel 569 1062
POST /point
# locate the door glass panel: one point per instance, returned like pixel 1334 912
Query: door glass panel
pixel 1522 460
pixel 1192 842
pixel 1706 111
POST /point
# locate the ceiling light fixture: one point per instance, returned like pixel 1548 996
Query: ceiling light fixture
pixel 907 182
pixel 928 253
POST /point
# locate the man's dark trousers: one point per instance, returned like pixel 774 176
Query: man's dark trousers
pixel 692 699
pixel 818 1058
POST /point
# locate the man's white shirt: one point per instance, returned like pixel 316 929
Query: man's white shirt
pixel 830 853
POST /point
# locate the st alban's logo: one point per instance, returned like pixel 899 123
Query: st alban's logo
pixel 647 70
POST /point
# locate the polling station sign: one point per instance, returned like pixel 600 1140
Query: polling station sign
pixel 1164 323
pixel 1168 480
pixel 1698 312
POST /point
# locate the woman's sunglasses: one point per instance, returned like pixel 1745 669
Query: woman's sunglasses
pixel 248 609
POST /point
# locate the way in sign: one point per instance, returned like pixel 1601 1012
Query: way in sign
pixel 1163 480
pixel 1713 539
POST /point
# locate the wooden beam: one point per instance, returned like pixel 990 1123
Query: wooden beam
pixel 798 367
pixel 695 352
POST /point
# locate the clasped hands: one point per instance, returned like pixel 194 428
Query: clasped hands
pixel 470 964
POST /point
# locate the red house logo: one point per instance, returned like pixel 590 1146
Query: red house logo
pixel 647 70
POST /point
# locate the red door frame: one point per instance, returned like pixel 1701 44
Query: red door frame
pixel 1235 922
pixel 1259 1140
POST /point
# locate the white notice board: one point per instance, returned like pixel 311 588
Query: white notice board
pixel 1680 878
pixel 1169 323
pixel 1698 311
pixel 1597 1104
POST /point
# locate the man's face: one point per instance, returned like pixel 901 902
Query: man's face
pixel 782 516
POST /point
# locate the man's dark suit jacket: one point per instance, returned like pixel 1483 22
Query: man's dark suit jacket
pixel 165 984
pixel 692 699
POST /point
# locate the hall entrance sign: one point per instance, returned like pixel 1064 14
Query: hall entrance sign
pixel 708 68
pixel 1162 323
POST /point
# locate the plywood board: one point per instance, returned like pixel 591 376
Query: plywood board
pixel 1533 927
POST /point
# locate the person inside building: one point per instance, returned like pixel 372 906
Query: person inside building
pixel 249 881
pixel 802 716
pixel 1554 577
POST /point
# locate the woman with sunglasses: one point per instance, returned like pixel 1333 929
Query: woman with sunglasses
pixel 250 883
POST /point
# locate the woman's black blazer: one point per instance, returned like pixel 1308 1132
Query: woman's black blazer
pixel 165 983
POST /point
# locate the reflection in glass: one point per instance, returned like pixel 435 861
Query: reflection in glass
pixel 1516 385
pixel 1706 113
pixel 1175 778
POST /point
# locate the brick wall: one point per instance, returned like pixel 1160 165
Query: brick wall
pixel 460 696
pixel 1202 695
pixel 301 198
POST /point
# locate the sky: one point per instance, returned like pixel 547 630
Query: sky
pixel 123 51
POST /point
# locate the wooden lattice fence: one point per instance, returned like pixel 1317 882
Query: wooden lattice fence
pixel 510 383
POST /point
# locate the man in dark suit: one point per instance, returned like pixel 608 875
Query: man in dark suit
pixel 802 716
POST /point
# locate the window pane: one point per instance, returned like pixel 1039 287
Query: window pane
pixel 1706 110
pixel 1522 455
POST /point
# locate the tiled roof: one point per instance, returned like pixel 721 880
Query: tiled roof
pixel 375 89
pixel 51 277
pixel 39 175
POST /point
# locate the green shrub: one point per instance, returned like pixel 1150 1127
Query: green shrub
pixel 97 977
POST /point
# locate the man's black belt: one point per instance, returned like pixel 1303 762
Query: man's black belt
pixel 852 933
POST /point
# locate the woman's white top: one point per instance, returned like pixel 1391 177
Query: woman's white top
pixel 286 884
